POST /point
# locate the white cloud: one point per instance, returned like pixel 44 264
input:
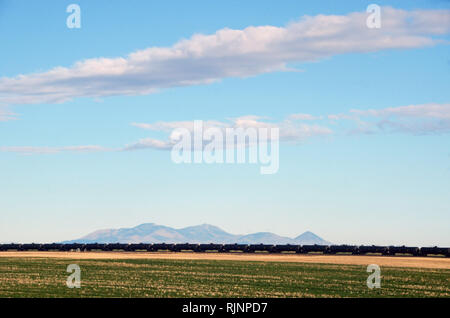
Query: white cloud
pixel 203 59
pixel 151 143
pixel 288 131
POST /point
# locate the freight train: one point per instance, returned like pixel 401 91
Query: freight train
pixel 233 248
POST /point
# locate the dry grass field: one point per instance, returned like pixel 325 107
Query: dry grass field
pixel 119 274
pixel 397 261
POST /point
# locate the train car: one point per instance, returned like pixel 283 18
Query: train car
pixel 286 248
pixel 227 248
pixel 10 247
pixel 51 247
pixel 133 247
pixel 393 250
pixel 210 247
pixel 163 247
pixel 350 249
pixel 425 251
pixel 185 247
pixel 373 249
pixel 314 249
pixel 252 248
pixel 72 247
pixel 30 247
pixel 117 247
pixel 95 246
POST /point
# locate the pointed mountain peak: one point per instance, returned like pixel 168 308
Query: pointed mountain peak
pixel 309 237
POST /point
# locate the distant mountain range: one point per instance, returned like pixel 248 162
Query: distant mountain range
pixel 205 233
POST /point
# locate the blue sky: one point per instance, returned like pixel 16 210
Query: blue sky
pixel 381 176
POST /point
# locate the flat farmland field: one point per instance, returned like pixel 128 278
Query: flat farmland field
pixel 170 276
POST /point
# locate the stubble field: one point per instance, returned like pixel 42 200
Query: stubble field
pixel 191 275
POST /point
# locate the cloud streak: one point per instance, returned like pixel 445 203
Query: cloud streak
pixel 289 131
pixel 6 115
pixel 204 59
pixel 416 119
pixel 32 150
pixel 438 111
pixel 420 119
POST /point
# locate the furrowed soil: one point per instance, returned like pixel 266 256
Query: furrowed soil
pixel 43 274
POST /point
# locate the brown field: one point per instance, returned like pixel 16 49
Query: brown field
pixel 396 261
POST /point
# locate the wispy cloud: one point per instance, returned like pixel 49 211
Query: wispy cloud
pixel 303 117
pixel 439 111
pixel 412 119
pixel 171 125
pixel 6 115
pixel 415 119
pixel 204 59
pixel 149 143
pixel 288 130
pixel 31 150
